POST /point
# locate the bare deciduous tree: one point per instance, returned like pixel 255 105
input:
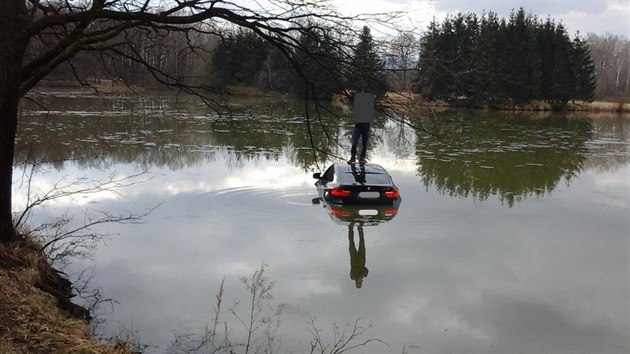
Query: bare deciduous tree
pixel 351 336
pixel 261 322
pixel 611 57
pixel 402 59
pixel 63 238
pixel 37 37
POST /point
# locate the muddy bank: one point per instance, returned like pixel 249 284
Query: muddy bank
pixel 36 311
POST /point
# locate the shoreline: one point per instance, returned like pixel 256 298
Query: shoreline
pixel 391 98
pixel 599 106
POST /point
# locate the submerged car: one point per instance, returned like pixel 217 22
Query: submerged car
pixel 366 215
pixel 352 183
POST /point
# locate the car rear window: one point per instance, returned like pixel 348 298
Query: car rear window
pixel 370 178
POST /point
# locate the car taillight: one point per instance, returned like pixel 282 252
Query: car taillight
pixel 339 193
pixel 393 194
pixel 391 212
pixel 340 213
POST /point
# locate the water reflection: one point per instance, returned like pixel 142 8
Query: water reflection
pixel 368 215
pixel 473 155
pixel 446 275
pixel 358 271
pixel 512 157
pixel 359 175
pixel 99 132
pixel 358 216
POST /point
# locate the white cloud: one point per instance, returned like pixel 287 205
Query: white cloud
pixel 585 16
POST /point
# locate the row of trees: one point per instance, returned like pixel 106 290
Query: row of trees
pixel 463 57
pixel 245 58
pixel 238 57
pixel 490 60
pixel 179 54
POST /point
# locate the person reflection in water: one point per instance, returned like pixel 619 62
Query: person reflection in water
pixel 359 176
pixel 358 271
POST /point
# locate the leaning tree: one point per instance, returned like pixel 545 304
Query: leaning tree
pixel 38 37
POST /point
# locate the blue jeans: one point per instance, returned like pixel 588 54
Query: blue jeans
pixel 360 130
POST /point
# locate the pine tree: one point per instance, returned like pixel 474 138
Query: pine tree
pixel 464 66
pixel 429 82
pixel 367 74
pixel 546 45
pixel 486 84
pixel 239 59
pixel 563 78
pixel 319 64
pixel 584 70
pixel 522 76
pixel 496 61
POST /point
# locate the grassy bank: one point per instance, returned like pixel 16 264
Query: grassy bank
pixel 595 106
pixel 533 106
pixel 34 316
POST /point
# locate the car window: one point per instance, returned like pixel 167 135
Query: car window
pixel 370 178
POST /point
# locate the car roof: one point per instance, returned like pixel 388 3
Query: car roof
pixel 372 174
pixel 341 167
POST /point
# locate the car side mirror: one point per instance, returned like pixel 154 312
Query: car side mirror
pixel 317 175
pixel 315 201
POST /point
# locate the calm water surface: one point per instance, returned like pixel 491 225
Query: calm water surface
pixel 512 235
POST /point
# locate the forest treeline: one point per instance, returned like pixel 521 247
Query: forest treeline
pixel 496 61
pixel 238 58
pixel 464 58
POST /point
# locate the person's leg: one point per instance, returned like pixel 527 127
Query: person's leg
pixel 365 137
pixel 356 134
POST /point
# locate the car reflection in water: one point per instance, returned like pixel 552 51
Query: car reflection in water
pixel 355 212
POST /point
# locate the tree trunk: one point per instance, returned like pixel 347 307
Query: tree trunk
pixel 8 124
pixel 13 23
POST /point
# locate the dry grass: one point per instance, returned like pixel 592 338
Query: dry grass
pixel 412 101
pixel 30 320
pixel 600 106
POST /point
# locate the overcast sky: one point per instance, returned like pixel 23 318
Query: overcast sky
pixel 597 16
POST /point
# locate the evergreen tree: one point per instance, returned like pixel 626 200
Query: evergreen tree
pixel 239 58
pixel 563 79
pixel 584 70
pixel 319 63
pixel 522 75
pixel 367 74
pixel 447 48
pixel 430 79
pixel 496 61
pixel 546 45
pixel 466 43
pixel 486 84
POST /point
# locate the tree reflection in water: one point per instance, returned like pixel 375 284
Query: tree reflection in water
pixel 512 157
pixel 477 154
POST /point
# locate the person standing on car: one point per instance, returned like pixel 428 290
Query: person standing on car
pixel 358 271
pixel 363 116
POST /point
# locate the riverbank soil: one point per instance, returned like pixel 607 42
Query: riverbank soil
pixel 36 315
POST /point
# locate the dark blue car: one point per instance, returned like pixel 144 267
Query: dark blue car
pixel 344 183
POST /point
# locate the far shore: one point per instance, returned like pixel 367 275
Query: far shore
pixel 600 106
pixel 403 98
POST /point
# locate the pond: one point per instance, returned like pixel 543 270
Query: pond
pixel 512 234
